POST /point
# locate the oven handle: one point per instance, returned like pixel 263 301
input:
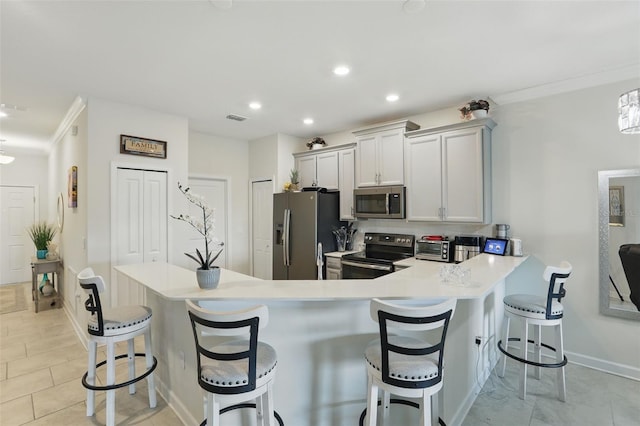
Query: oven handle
pixel 386 201
pixel 368 266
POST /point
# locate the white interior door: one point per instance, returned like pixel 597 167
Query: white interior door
pixel 262 223
pixel 140 225
pixel 214 191
pixel 17 212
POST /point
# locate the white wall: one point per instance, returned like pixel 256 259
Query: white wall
pixel 29 170
pixel 546 155
pixel 67 151
pixel 263 157
pixel 287 145
pixel 107 121
pixel 215 156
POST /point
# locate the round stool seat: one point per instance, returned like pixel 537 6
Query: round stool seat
pixel 121 320
pixel 531 306
pixel 405 367
pixel 234 373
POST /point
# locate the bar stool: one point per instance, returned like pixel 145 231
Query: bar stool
pixel 538 311
pixel 109 326
pixel 404 365
pixel 235 371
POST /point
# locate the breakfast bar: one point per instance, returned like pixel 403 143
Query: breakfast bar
pixel 320 330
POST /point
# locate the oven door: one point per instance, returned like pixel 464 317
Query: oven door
pixel 361 271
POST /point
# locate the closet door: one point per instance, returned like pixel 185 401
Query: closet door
pixel 155 217
pixel 130 217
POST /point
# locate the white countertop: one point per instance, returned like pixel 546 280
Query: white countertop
pixel 339 254
pixel 422 280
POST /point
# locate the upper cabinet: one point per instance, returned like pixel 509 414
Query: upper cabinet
pixel 346 181
pixel 317 168
pixel 448 173
pixel 333 168
pixel 380 154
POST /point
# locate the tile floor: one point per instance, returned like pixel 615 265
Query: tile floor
pixel 41 364
pixel 42 361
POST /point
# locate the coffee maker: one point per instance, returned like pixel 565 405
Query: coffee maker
pixel 467 246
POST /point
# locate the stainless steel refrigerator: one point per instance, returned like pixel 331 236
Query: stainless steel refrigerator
pixel 301 221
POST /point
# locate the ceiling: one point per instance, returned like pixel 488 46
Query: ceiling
pixel 206 59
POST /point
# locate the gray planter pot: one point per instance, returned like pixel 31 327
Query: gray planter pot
pixel 208 278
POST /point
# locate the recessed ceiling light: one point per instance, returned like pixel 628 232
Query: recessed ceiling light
pixel 341 70
pixel 255 105
pixel 392 97
pixel 308 121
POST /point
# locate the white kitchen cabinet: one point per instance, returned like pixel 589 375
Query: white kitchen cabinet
pixel 346 181
pixel 317 169
pixel 380 154
pixel 448 173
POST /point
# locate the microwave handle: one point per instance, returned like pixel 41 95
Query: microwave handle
pixel 387 202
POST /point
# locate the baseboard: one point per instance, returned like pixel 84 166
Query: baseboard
pixel 622 370
pixel 176 404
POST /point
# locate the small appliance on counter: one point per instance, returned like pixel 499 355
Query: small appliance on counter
pixel 435 247
pixel 502 230
pixel 466 247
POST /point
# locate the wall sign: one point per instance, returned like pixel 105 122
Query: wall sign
pixel 141 146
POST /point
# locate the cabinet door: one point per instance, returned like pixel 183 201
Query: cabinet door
pixel 327 170
pixel 334 274
pixel 424 178
pixel 366 161
pixel 306 167
pixel 346 181
pixel 463 175
pixel 391 157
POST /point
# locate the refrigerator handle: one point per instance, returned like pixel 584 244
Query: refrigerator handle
pixel 285 237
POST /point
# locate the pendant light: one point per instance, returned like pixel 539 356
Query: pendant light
pixel 5 159
pixel 629 112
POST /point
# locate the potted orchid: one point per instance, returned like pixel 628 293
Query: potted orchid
pixel 208 275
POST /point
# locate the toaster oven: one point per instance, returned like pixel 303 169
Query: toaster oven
pixel 435 248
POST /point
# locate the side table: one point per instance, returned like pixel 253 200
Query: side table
pixel 46 266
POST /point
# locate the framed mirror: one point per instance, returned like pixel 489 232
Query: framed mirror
pixel 619 242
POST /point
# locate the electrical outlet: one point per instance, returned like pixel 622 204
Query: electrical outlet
pixel 478 340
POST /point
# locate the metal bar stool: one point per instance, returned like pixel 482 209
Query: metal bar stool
pixel 234 371
pixel 538 311
pixel 404 365
pixel 109 326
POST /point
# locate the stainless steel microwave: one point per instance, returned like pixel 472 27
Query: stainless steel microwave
pixel 379 202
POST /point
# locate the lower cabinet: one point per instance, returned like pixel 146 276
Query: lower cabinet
pixel 334 268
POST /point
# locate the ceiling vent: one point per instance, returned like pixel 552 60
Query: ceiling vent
pixel 236 117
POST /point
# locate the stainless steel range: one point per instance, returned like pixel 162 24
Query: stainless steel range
pixel 381 250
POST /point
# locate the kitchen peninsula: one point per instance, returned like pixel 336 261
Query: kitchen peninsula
pixel 320 330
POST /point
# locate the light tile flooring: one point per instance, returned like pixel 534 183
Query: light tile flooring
pixel 41 364
pixel 42 361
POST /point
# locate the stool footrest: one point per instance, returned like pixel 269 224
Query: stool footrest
pixel 397 401
pixel 526 361
pixel 245 405
pixel 122 384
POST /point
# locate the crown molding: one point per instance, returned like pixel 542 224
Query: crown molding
pixel 78 105
pixel 569 85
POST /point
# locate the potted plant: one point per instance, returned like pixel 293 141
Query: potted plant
pixel 316 143
pixel 41 234
pixel 294 177
pixel 207 274
pixel 475 109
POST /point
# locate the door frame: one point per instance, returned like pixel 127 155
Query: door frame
pixel 251 182
pixel 115 165
pixel 228 242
